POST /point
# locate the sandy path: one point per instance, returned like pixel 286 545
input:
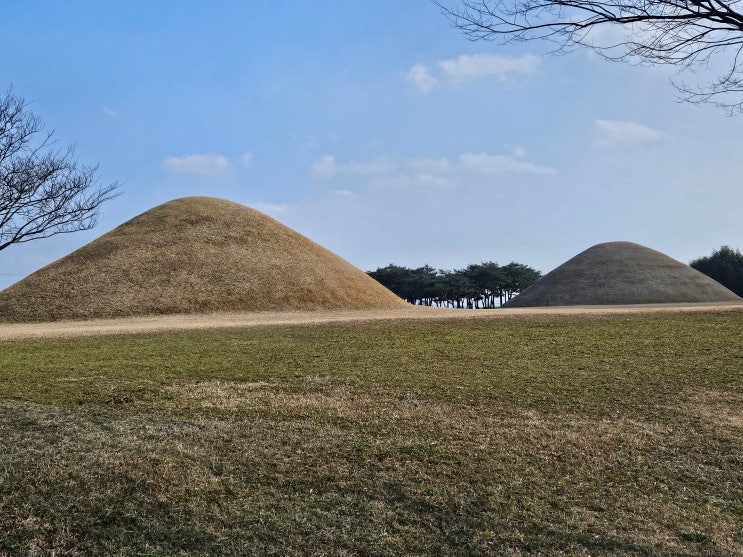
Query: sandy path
pixel 60 329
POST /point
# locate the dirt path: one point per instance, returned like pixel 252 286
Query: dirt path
pixel 15 331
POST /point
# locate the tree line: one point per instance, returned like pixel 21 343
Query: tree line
pixel 725 265
pixel 484 285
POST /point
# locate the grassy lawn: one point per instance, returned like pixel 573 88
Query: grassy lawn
pixel 582 435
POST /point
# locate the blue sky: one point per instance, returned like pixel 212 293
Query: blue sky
pixel 374 128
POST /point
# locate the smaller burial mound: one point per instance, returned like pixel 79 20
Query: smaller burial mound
pixel 622 273
pixel 193 255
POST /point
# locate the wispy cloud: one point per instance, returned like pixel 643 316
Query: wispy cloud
pixel 344 193
pixel 430 171
pixel 481 66
pixel 246 159
pixel 270 208
pixel 496 164
pixel 619 131
pixel 200 164
pixel 466 68
pixel 420 76
pixel 327 167
pixel 324 167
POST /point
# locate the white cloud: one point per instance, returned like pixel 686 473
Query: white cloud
pixel 427 179
pixel 376 166
pixel 481 66
pixel 428 165
pixel 344 193
pixel 270 208
pixel 618 131
pixel 496 164
pixel 326 167
pixel 421 77
pixel 606 36
pixel 246 159
pixel 110 112
pixel 471 67
pixel 518 152
pixel 613 40
pixel 201 164
pixel 429 171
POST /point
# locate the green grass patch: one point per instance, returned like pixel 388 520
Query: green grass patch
pixel 595 435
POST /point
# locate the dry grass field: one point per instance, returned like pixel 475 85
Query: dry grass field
pixel 521 434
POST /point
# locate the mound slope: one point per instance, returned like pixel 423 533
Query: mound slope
pixel 193 255
pixel 622 273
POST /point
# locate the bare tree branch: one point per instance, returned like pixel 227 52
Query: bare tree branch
pixel 686 33
pixel 43 191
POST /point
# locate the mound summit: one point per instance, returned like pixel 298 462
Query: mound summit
pixel 193 255
pixel 622 273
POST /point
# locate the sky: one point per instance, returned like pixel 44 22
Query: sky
pixel 373 128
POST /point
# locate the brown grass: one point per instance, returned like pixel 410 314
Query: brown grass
pixel 193 255
pixel 622 273
pixel 191 322
pixel 535 433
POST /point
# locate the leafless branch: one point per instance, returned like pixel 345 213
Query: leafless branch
pixel 684 33
pixel 43 191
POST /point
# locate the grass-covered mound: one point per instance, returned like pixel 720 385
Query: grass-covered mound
pixel 622 273
pixel 196 254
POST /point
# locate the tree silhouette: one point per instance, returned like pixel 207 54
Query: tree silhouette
pixel 689 34
pixel 43 191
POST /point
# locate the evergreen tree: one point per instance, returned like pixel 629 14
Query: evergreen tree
pixel 725 265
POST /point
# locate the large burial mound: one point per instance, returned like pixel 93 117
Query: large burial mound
pixel 622 273
pixel 193 255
